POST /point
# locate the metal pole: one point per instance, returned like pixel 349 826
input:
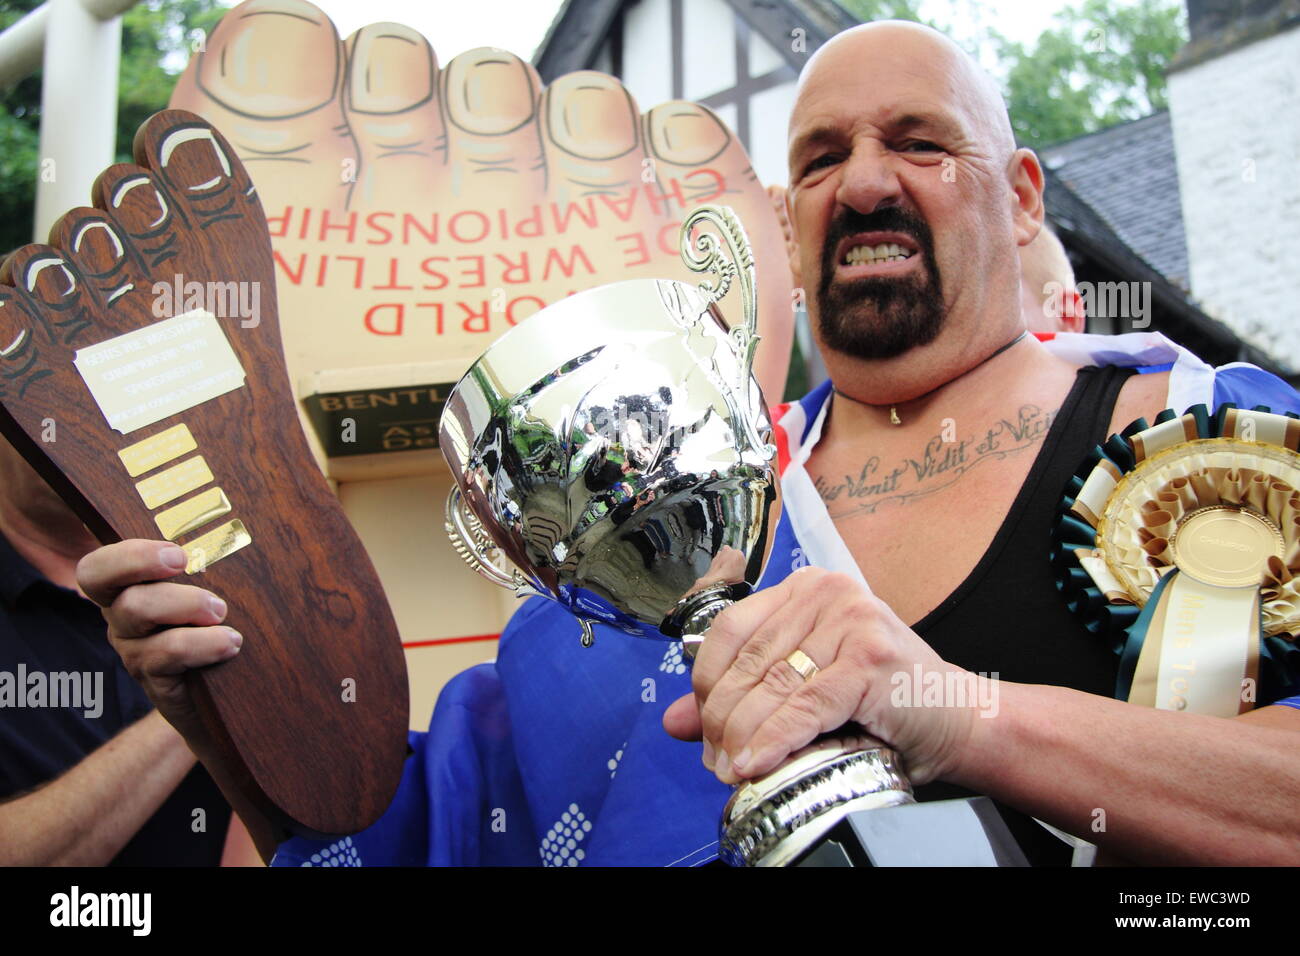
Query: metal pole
pixel 78 107
pixel 107 9
pixel 20 46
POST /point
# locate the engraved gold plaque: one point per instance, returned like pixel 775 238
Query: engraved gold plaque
pixel 219 543
pixel 1226 546
pixel 192 514
pixel 174 482
pixel 168 445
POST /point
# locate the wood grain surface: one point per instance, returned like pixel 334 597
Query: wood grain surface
pixel 294 742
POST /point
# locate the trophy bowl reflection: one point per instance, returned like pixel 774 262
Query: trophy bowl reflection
pixel 605 451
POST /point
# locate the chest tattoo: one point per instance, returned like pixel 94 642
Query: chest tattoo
pixel 941 464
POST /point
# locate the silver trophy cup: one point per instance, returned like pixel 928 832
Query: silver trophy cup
pixel 605 451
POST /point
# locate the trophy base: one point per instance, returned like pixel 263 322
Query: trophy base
pixel 844 800
pixel 967 832
pixel 773 820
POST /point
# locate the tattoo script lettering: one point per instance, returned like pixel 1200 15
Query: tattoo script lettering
pixel 940 465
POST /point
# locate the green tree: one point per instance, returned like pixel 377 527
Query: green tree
pixel 157 36
pixel 1102 64
pixel 20 125
pixel 866 10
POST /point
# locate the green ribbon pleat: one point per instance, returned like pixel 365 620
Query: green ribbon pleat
pixel 1278 660
pixel 1137 635
pixel 1073 531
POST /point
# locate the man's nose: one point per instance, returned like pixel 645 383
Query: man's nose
pixel 869 181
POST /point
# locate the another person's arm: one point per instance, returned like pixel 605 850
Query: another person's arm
pixel 86 815
pixel 161 630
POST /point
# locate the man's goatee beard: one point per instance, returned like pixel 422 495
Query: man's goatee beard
pixel 880 318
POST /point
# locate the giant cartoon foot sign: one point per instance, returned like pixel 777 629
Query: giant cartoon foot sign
pixel 184 427
pixel 418 212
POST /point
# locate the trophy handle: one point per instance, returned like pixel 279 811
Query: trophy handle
pixel 729 260
pixel 476 549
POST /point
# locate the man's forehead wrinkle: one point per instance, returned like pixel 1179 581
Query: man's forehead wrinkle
pixel 890 120
pixel 910 115
pixel 916 54
pixel 813 137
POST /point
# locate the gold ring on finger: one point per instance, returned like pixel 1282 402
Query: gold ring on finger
pixel 803 664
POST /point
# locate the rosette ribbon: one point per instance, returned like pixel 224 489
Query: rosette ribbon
pixel 1179 542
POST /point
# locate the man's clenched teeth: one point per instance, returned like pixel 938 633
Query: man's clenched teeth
pixel 870 255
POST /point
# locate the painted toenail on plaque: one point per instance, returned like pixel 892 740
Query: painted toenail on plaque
pixel 49 278
pixel 686 134
pixel 490 92
pixel 98 248
pixel 254 63
pixel 392 69
pixel 12 336
pixel 138 198
pixel 205 161
pixel 591 115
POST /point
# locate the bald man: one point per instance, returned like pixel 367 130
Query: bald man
pixel 908 203
pixel 920 489
pixel 1048 296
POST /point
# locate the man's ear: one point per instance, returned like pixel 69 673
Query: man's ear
pixel 1027 191
pixel 1074 317
pixel 781 203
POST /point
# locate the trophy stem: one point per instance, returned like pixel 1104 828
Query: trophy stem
pixel 690 617
pixel 774 819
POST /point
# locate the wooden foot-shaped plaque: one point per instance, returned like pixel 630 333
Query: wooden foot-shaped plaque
pixel 141 373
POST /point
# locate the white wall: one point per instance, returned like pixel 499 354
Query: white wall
pixel 647 52
pixel 1236 123
pixel 769 122
pixel 709 31
pixel 709 67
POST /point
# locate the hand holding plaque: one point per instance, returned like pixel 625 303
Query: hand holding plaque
pixel 141 374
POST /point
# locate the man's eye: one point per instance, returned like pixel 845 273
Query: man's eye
pixel 821 162
pixel 921 146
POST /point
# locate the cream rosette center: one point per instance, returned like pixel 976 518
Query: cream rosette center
pixel 1223 511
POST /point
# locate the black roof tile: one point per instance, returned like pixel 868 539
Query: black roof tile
pixel 1128 175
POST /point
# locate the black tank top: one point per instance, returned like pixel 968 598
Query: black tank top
pixel 1007 617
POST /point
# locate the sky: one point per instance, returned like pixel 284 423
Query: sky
pixel 453 26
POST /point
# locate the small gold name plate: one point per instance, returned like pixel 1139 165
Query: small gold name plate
pixel 192 514
pixel 175 481
pixel 156 450
pixel 210 548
